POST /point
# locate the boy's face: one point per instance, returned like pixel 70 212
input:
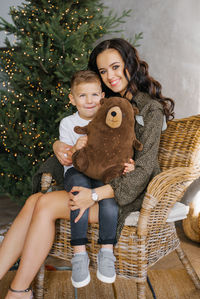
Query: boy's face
pixel 86 97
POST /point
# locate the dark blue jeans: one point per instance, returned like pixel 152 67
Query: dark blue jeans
pixel 108 211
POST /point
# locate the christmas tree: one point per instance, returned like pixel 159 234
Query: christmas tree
pixel 53 39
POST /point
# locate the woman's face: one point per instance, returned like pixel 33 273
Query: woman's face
pixel 111 68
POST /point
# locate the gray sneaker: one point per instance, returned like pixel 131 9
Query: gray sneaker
pixel 106 267
pixel 80 270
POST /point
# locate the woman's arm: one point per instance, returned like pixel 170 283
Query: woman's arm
pixel 63 147
pixel 83 200
pixel 129 187
pixel 63 152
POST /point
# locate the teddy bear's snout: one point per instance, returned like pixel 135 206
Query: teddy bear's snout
pixel 114 117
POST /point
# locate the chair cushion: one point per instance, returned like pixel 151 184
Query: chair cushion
pixel 178 212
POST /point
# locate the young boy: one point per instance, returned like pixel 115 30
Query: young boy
pixel 85 94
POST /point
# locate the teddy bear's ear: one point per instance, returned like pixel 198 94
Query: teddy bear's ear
pixel 136 111
pixel 80 130
pixel 102 101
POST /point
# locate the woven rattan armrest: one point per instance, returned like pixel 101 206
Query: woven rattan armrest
pixel 162 193
pixel 46 181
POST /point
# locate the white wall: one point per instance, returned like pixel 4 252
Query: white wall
pixel 4 13
pixel 171 44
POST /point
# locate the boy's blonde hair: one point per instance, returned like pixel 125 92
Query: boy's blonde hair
pixel 84 76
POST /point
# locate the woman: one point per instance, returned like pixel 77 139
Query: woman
pixel 123 73
pixel 32 233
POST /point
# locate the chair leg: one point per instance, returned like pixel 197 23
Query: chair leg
pixel 141 294
pixel 39 283
pixel 151 288
pixel 189 268
pixel 75 293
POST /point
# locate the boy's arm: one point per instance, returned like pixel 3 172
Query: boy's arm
pixel 81 142
pixel 65 151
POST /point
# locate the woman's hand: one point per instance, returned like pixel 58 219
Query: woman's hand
pixel 81 200
pixel 63 152
pixel 129 166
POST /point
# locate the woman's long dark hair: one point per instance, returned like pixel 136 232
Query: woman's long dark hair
pixel 138 70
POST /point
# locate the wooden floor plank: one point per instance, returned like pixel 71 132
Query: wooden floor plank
pixel 167 284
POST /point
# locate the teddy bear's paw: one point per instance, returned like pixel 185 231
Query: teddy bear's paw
pixel 112 172
pixel 80 161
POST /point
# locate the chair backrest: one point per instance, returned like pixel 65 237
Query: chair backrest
pixel 180 143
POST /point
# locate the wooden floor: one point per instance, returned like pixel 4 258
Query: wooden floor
pixel 168 277
pixel 167 284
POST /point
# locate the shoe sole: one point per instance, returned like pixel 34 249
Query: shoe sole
pixel 82 283
pixel 105 278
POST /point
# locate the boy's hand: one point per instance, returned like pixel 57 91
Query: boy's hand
pixel 129 166
pixel 80 143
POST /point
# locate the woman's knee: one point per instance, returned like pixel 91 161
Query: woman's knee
pixel 43 205
pixel 32 200
pixel 51 205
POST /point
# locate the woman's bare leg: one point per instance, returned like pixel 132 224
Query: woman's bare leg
pixel 40 236
pixel 12 245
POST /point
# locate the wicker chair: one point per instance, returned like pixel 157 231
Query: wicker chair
pixel 153 238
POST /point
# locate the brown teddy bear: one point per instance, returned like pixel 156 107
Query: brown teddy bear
pixel 111 139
